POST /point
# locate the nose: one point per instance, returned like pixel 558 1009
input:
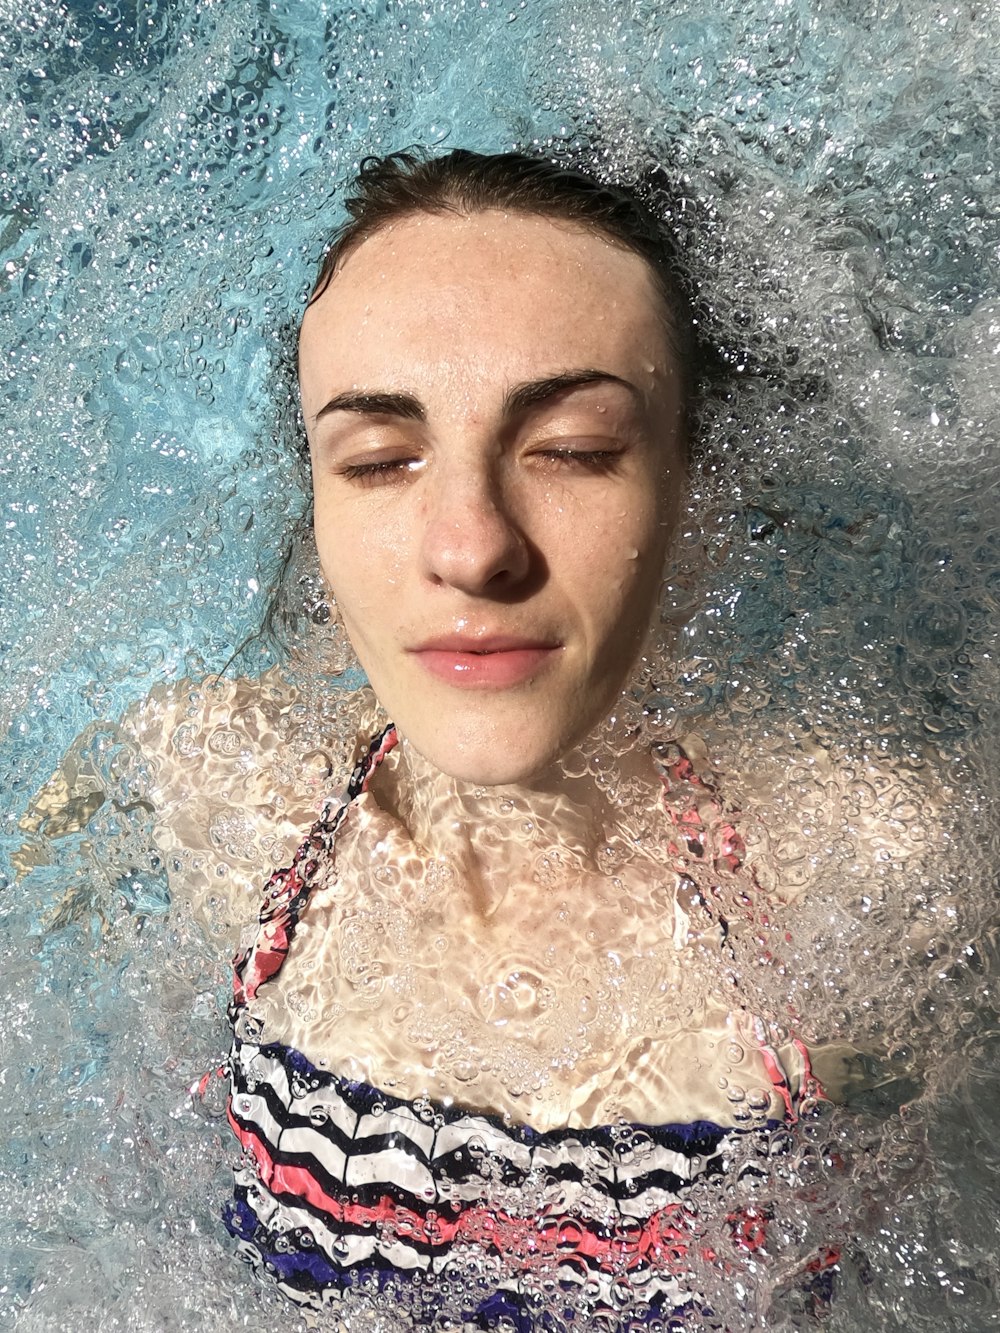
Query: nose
pixel 472 540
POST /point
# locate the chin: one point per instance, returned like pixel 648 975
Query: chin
pixel 493 761
pixel 518 743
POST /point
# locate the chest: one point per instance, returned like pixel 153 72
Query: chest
pixel 576 998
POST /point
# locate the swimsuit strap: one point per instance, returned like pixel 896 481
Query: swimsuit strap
pixel 360 780
pixel 718 846
pixel 287 891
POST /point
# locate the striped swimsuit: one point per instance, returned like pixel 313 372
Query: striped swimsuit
pixel 344 1185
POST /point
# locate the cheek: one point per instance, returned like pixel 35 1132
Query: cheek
pixel 632 571
pixel 614 570
pixel 362 557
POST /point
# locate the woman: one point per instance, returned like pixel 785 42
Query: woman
pixel 504 948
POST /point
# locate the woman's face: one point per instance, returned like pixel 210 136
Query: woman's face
pixel 495 419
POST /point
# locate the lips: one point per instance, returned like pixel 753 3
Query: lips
pixel 495 661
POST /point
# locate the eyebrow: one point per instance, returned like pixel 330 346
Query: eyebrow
pixel 524 396
pixel 375 405
pixel 519 399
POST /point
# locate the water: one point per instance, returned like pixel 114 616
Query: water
pixel 168 176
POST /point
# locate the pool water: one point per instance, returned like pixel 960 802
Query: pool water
pixel 169 173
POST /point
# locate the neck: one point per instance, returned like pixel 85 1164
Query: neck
pixel 500 840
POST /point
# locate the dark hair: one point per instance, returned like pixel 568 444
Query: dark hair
pixel 389 188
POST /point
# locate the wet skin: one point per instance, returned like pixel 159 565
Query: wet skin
pixel 495 424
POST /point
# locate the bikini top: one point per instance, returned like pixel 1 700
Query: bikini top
pixel 344 1183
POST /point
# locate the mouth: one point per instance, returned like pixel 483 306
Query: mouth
pixel 492 661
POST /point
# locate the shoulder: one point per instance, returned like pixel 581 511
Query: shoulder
pixel 185 722
pixel 229 735
pixel 236 771
pixel 835 816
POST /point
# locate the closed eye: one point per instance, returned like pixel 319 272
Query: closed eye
pixel 596 460
pixel 380 471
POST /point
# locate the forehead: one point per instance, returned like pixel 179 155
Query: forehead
pixel 490 294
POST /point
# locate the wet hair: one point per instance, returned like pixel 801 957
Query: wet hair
pixel 399 185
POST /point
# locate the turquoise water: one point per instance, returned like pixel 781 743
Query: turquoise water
pixel 168 176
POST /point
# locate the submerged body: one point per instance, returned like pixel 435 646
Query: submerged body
pixel 597 988
pixel 349 1182
pixel 421 1086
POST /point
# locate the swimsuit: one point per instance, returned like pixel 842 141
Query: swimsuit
pixel 344 1185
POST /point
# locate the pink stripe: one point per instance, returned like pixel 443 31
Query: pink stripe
pixel 779 1080
pixel 663 1239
